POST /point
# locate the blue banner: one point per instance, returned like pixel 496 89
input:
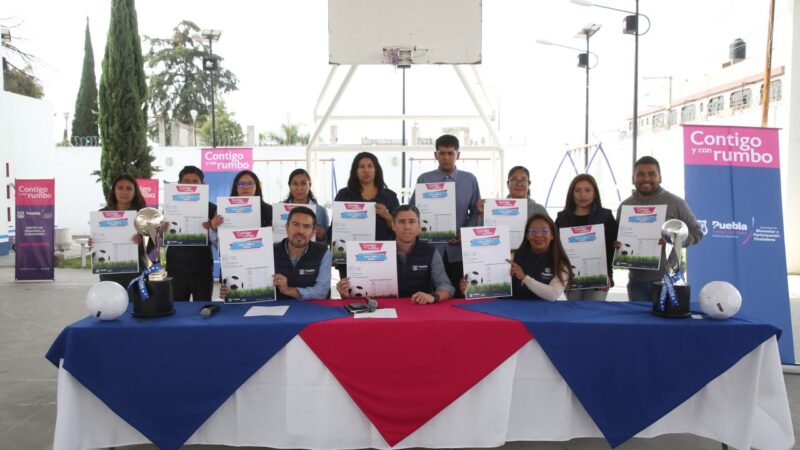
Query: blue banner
pixel 733 185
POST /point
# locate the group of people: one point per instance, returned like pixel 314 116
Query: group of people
pixel 426 272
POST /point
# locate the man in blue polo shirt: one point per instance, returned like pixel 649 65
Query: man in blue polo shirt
pixel 468 195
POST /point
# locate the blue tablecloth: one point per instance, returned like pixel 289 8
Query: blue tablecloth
pixel 167 376
pixel 627 367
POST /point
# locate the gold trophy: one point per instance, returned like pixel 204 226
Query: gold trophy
pixel 152 291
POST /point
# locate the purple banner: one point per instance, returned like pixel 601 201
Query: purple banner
pixel 35 226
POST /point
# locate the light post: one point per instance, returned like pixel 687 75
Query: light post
pixel 631 27
pixel 210 64
pixel 583 62
pixel 193 113
pixel 66 121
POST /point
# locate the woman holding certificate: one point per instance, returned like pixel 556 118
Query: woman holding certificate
pixel 541 269
pixel 300 192
pixel 124 195
pixel 366 185
pixel 584 208
pixel 246 184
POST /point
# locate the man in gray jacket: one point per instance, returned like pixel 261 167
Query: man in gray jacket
pixel 647 181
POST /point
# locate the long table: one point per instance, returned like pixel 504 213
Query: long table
pixel 507 389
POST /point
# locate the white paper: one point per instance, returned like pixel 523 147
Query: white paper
pixel 586 248
pixel 280 214
pixel 248 264
pixel 113 249
pixel 186 208
pixel 380 313
pixel 639 232
pixel 239 212
pixel 352 221
pixel 256 311
pixel 437 210
pixel 511 212
pixel 372 269
pixel 485 251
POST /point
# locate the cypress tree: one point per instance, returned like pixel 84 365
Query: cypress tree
pixel 123 111
pixel 84 121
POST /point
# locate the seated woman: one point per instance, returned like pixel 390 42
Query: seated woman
pixel 541 268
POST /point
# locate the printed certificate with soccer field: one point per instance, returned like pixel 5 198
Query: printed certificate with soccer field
pixel 352 221
pixel 437 210
pixel 372 269
pixel 639 232
pixel 485 251
pixel 186 208
pixel 248 264
pixel 239 212
pixel 586 248
pixel 280 214
pixel 510 212
pixel 113 249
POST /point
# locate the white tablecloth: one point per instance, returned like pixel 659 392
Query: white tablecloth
pixel 293 401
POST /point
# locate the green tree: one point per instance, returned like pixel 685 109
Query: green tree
pixel 176 79
pixel 122 109
pixel 289 135
pixel 84 121
pixel 229 132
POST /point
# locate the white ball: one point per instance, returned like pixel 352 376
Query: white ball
pixel 720 299
pixel 107 300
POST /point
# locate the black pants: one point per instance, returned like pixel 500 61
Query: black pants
pixel 197 286
pixel 342 269
pixel 455 272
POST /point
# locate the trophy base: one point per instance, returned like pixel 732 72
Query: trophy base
pixel 160 302
pixel 681 311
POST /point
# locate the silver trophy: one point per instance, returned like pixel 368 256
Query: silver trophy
pixel 675 233
pixel 149 223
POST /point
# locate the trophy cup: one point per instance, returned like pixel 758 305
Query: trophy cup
pixel 671 295
pixel 151 291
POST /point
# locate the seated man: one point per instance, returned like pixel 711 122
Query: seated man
pixel 302 267
pixel 421 274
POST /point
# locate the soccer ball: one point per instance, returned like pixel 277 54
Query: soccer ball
pixel 474 278
pixel 626 250
pixel 425 226
pixel 107 300
pixel 576 271
pixel 174 228
pixel 358 292
pixel 720 299
pixel 234 284
pixel 339 246
pixel 101 256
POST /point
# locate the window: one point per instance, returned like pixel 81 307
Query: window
pixel 658 122
pixel 688 113
pixel 775 94
pixel 715 105
pixel 673 117
pixel 741 99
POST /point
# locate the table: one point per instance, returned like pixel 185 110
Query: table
pixel 295 401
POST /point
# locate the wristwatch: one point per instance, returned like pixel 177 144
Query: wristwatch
pixel 436 297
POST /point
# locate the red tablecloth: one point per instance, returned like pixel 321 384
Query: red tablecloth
pixel 398 387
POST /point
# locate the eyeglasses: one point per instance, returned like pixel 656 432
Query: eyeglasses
pixel 519 181
pixel 538 230
pixel 242 184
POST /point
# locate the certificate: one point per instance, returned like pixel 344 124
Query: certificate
pixel 248 264
pixel 280 214
pixel 586 248
pixel 352 221
pixel 639 232
pixel 485 251
pixel 372 268
pixel 186 208
pixel 511 212
pixel 437 210
pixel 239 212
pixel 113 249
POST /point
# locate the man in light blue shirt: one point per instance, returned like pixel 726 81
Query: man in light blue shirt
pixel 467 197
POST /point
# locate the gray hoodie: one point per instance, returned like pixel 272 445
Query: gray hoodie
pixel 676 209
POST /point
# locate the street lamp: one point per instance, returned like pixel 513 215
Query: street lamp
pixel 631 27
pixel 193 113
pixel 210 64
pixel 66 121
pixel 583 62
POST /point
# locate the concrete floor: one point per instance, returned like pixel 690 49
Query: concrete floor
pixel 32 314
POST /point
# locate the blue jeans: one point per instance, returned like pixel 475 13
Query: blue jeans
pixel 640 291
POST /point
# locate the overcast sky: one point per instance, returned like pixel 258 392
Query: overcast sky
pixel 279 51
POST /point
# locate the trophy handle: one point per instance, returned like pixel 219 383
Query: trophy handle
pixel 145 243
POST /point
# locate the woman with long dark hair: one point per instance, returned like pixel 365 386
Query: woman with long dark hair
pixel 541 268
pixel 366 184
pixel 519 187
pixel 247 184
pixel 584 207
pixel 300 192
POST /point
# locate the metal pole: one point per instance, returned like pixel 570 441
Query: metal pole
pixel 767 68
pixel 403 178
pixel 586 123
pixel 213 109
pixel 636 84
